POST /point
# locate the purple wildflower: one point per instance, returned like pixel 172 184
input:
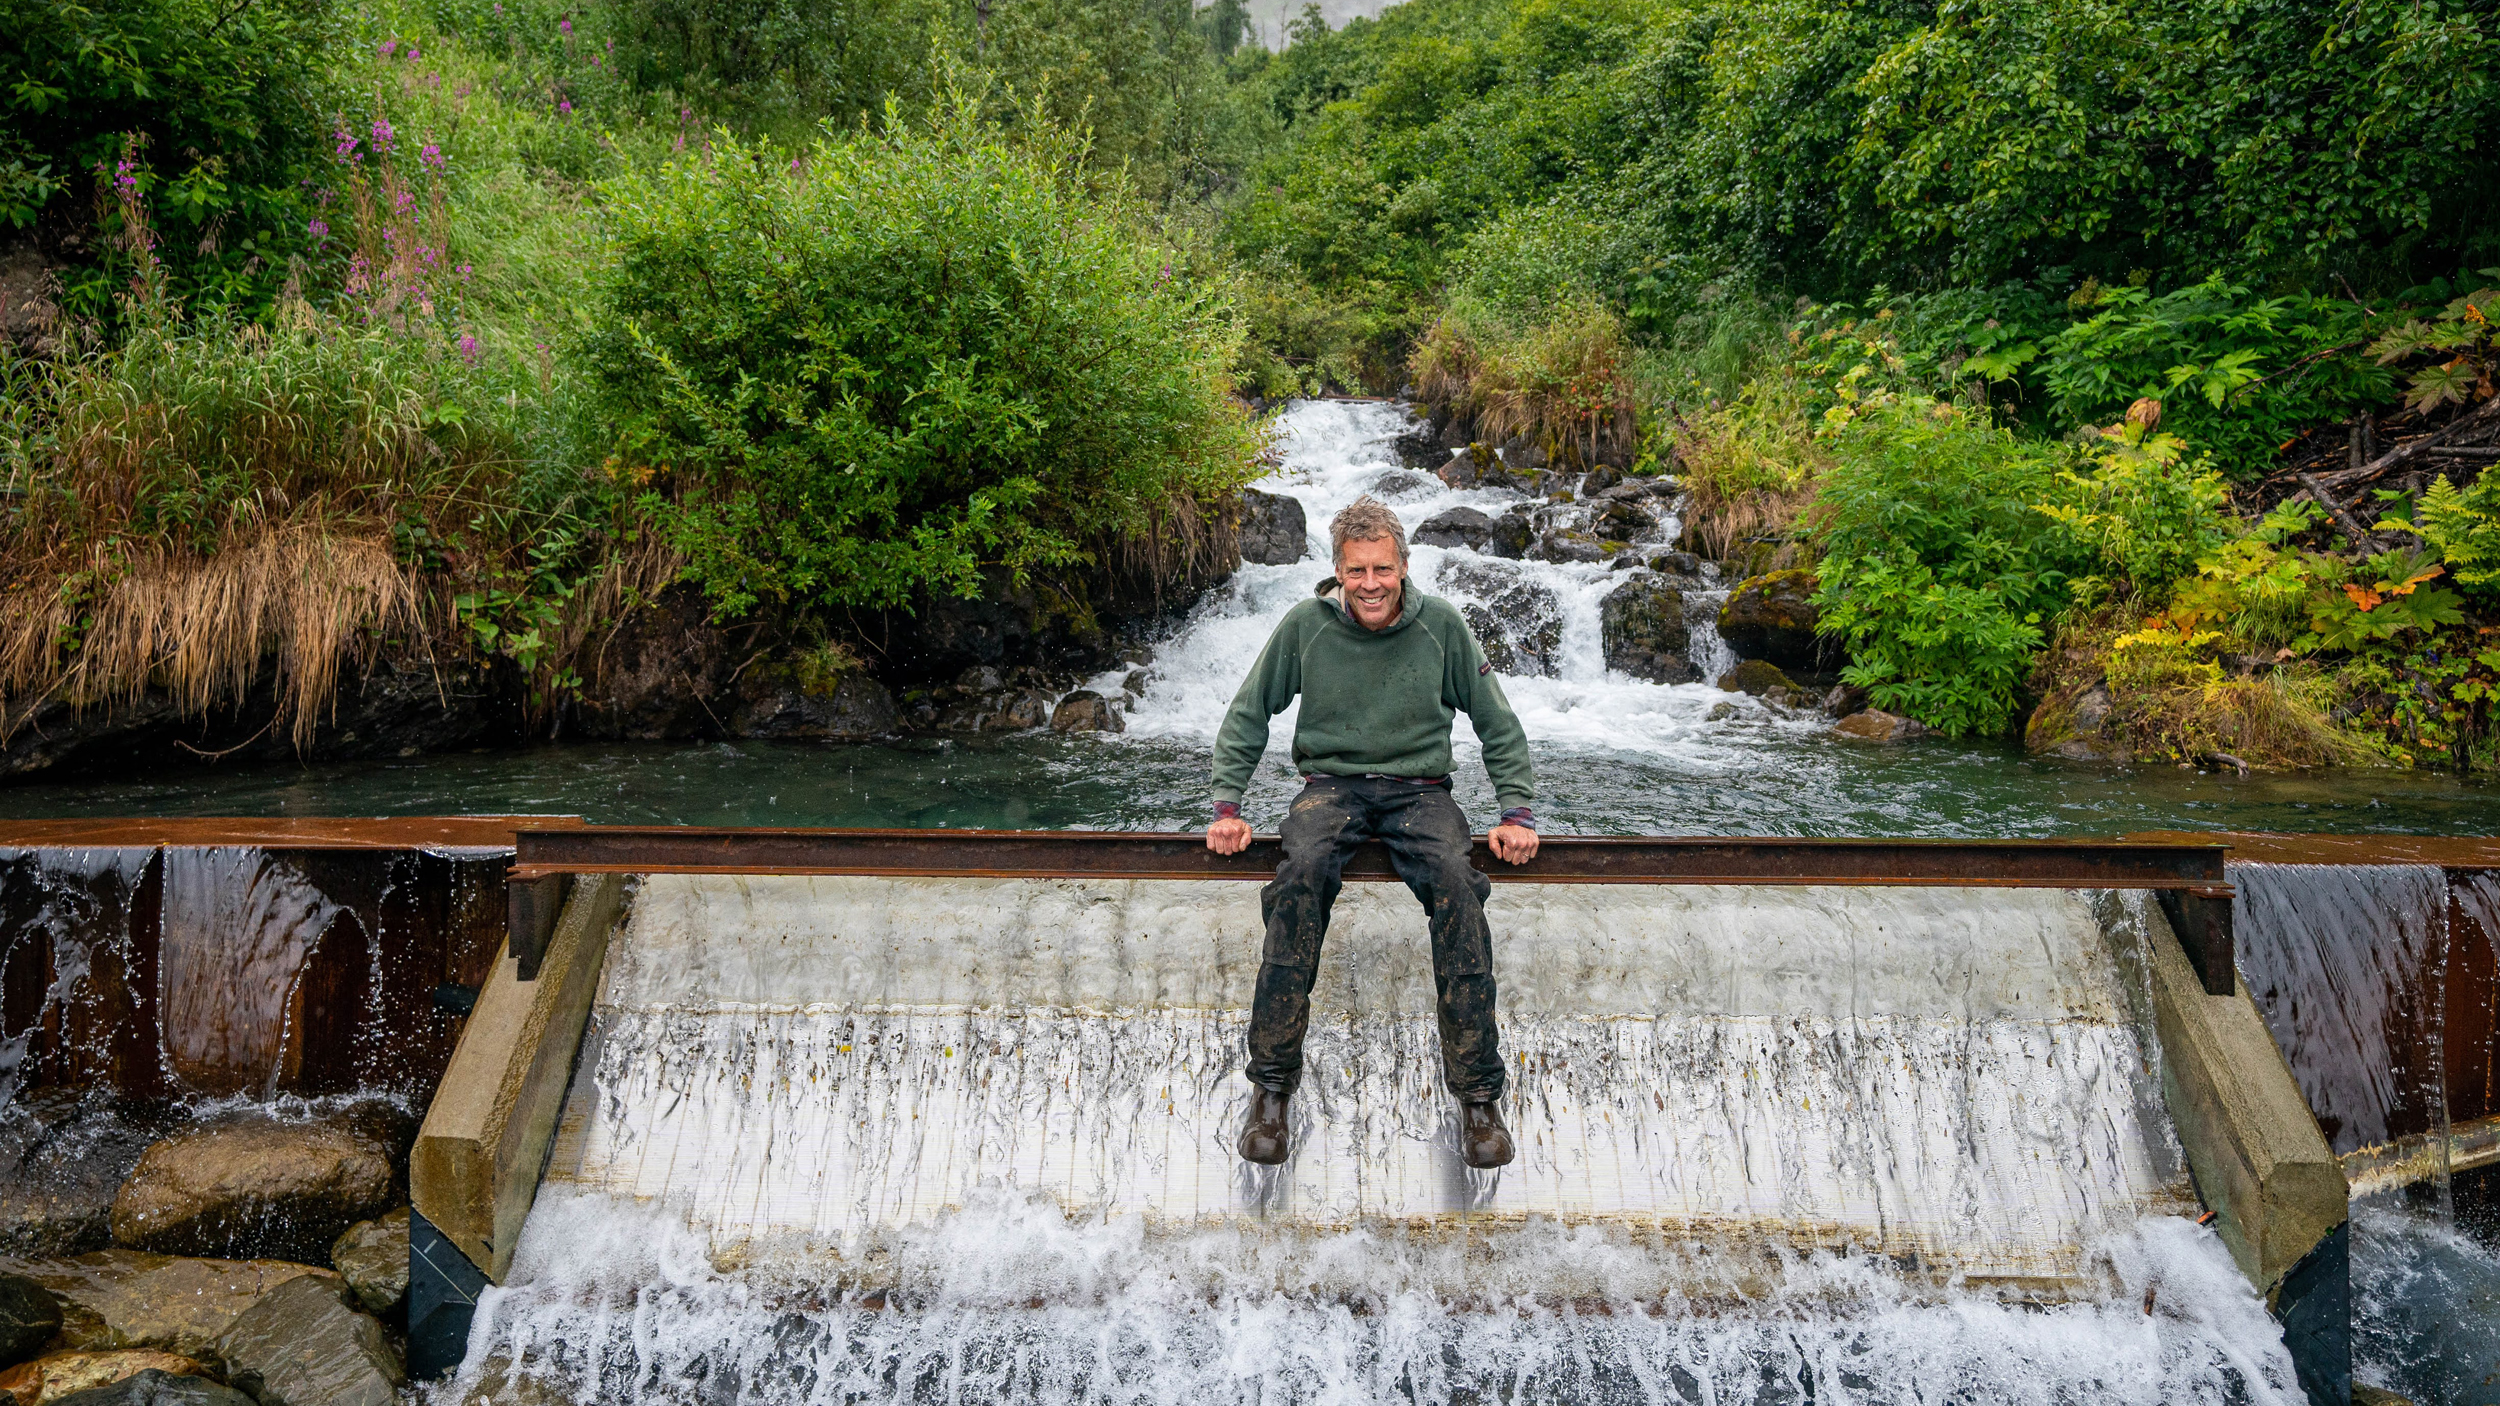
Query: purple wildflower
pixel 412 53
pixel 318 229
pixel 432 156
pixel 565 107
pixel 565 27
pixel 468 348
pixel 389 46
pixel 346 141
pixel 382 134
pixel 464 270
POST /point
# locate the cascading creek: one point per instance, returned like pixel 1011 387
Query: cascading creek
pixel 838 1139
pixel 1542 617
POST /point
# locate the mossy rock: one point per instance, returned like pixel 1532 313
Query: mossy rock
pixel 1757 678
pixel 1772 617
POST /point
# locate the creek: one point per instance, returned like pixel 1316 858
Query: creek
pixel 1614 754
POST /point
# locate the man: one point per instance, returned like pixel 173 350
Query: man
pixel 1381 670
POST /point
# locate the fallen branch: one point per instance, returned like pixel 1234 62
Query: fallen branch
pixel 2486 414
pixel 2349 525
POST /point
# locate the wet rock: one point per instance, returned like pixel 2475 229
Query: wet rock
pixel 1630 491
pixel 1721 712
pixel 2078 724
pixel 1458 527
pixel 1600 480
pixel 1642 629
pixel 1135 684
pixel 29 1317
pixel 1456 432
pixel 1758 678
pixel 1006 710
pixel 1622 521
pixel 1876 725
pixel 1521 453
pixel 1678 564
pixel 1086 711
pixel 304 1344
pixel 63 1155
pixel 48 1380
pixel 1421 448
pixel 1513 534
pixel 778 703
pixel 259 1187
pixel 1565 545
pixel 131 1299
pixel 1398 485
pixel 1844 699
pixel 372 1256
pixel 1517 621
pixel 1274 529
pixel 1772 617
pixel 658 674
pixel 154 1387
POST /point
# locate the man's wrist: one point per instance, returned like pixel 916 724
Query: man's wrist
pixel 1228 810
pixel 1520 816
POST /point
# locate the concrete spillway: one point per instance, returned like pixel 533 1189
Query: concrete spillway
pixel 1957 1080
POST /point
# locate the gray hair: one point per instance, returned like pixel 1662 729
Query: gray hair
pixel 1366 519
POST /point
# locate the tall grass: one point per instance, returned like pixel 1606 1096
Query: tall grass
pixel 1561 382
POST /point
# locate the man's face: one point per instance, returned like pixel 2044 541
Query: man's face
pixel 1372 576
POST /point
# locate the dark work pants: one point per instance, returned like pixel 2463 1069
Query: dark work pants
pixel 1429 843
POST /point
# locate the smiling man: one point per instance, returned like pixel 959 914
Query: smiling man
pixel 1382 670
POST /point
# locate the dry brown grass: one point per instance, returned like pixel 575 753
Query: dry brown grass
pixel 299 603
pixel 1751 469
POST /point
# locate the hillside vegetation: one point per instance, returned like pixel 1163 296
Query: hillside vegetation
pixel 2121 371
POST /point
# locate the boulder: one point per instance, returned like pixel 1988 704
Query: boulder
pixel 1844 699
pixel 1421 448
pixel 1512 535
pixel 1274 530
pixel 1621 521
pixel 1397 485
pixel 1641 625
pixel 1677 564
pixel 29 1318
pixel 1518 622
pixel 1458 527
pixel 778 703
pixel 154 1387
pixel 373 1258
pixel 656 676
pixel 1772 617
pixel 1086 711
pixel 48 1380
pixel 63 1155
pixel 303 1344
pixel 1876 725
pixel 1006 710
pixel 258 1187
pixel 1567 546
pixel 1758 678
pixel 1524 453
pixel 130 1299
pixel 2077 724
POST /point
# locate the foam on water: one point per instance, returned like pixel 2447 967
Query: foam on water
pixel 1335 451
pixel 1012 1298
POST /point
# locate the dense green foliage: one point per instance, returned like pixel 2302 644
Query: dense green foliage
pixel 964 360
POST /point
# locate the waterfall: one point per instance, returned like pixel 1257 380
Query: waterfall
pixel 848 1139
pixel 1336 451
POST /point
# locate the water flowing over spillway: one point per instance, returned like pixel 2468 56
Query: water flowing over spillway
pixel 953 1140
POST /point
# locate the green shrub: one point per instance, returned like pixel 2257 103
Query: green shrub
pixel 876 368
pixel 231 103
pixel 1939 569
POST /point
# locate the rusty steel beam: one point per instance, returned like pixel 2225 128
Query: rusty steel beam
pixel 1562 859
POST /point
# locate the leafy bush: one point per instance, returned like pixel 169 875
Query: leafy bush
pixel 2149 512
pixel 1938 567
pixel 882 365
pixel 232 100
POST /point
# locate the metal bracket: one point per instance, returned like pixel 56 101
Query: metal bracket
pixel 534 904
pixel 2201 916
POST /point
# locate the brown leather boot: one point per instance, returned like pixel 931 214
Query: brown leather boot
pixel 1263 1137
pixel 1482 1139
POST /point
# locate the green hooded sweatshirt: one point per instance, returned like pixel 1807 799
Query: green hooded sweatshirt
pixel 1374 702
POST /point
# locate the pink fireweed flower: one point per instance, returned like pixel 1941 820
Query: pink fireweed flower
pixel 389 46
pixel 412 53
pixel 318 229
pixel 382 134
pixel 565 107
pixel 401 202
pixel 565 27
pixel 432 156
pixel 464 270
pixel 468 348
pixel 347 142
